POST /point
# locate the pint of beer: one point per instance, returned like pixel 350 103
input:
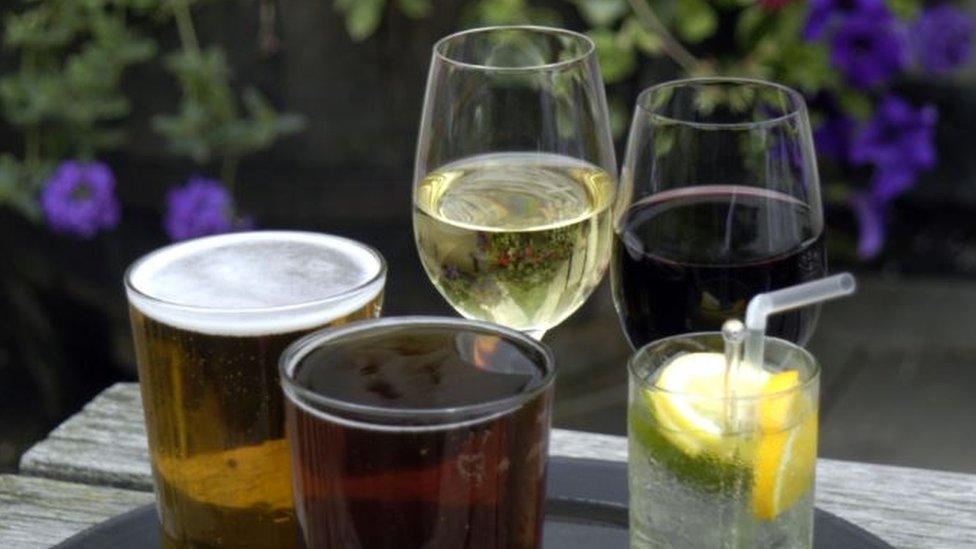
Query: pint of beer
pixel 210 318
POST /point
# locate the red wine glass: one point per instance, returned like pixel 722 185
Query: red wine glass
pixel 719 201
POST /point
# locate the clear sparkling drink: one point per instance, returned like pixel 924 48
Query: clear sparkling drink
pixel 716 469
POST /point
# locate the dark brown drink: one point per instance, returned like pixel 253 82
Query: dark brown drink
pixel 419 432
pixel 210 319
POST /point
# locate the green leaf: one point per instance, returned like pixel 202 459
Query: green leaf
pixel 904 9
pixel 751 25
pixel 806 66
pixel 695 20
pixel 643 39
pixel 617 61
pixel 789 22
pixel 363 17
pixel 507 12
pixel 17 189
pixel 856 104
pixel 415 9
pixel 602 13
pixel 31 98
pixel 44 27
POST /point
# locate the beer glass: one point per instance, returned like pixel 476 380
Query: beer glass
pixel 210 318
pixel 419 432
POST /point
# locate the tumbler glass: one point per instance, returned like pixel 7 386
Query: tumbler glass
pixel 720 463
pixel 419 432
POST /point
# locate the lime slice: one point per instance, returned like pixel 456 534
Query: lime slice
pixel 704 471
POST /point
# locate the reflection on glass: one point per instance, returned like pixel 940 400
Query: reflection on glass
pixel 513 182
pixel 720 201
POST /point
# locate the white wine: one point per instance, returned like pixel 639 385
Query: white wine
pixel 520 239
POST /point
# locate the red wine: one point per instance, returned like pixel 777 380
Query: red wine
pixel 477 484
pixel 687 260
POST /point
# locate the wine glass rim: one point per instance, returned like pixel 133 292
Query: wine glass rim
pixel 476 412
pixel 798 104
pixel 557 65
pixel 634 367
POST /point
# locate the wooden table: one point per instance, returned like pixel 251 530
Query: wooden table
pixel 94 466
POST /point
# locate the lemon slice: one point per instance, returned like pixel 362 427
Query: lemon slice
pixel 774 437
pixel 689 404
pixel 786 452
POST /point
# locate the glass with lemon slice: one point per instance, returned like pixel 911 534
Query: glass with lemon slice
pixel 721 461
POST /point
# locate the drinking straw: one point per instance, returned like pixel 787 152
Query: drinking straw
pixel 794 297
pixel 733 334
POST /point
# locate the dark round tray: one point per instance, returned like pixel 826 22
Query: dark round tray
pixel 586 508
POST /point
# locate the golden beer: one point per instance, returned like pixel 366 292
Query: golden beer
pixel 210 318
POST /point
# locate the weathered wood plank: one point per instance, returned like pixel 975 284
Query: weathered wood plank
pixel 37 512
pixel 105 444
pixel 905 506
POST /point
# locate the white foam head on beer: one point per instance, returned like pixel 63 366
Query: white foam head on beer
pixel 255 283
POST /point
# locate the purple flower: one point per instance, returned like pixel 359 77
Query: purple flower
pixel 200 207
pixel 942 39
pixel 825 13
pixel 890 181
pixel 79 199
pixel 833 137
pixel 869 213
pixel 898 142
pixel 867 51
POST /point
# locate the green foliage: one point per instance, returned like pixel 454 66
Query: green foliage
pixel 209 123
pixel 644 40
pixel 904 9
pixel 772 44
pixel 805 66
pixel 76 90
pixel 854 103
pixel 17 187
pixel 753 24
pixel 602 13
pixel 415 8
pixel 507 12
pixel 695 20
pixel 65 96
pixel 362 16
pixel 617 57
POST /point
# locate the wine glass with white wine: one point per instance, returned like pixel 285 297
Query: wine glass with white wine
pixel 515 175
